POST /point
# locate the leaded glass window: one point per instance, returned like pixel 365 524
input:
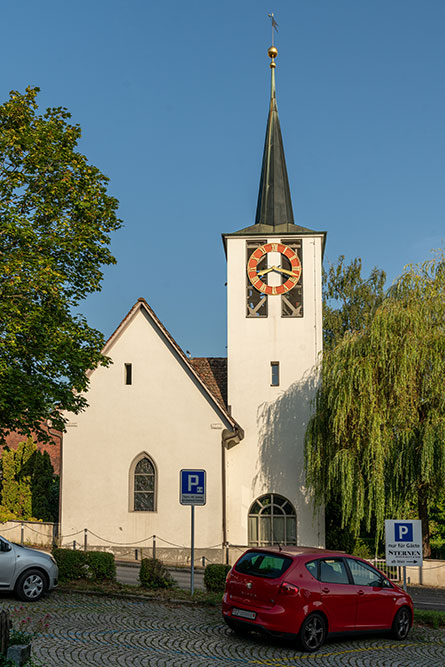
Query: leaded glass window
pixel 144 486
pixel 272 520
pixel 256 302
pixel 292 301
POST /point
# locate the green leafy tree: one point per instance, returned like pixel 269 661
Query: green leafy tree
pixel 42 481
pixel 28 483
pixel 55 221
pixel 17 475
pixel 349 300
pixel 378 433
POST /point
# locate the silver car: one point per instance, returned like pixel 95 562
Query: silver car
pixel 27 572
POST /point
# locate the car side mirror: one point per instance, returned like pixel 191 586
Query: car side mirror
pixel 5 546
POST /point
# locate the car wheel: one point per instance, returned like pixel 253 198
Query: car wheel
pixel 31 585
pixel 240 630
pixel 312 632
pixel 401 624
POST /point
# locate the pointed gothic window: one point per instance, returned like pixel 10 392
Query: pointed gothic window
pixel 143 485
pixel 272 520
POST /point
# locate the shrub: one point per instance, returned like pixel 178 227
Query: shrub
pixel 101 566
pixel 95 565
pixel 72 564
pixel 153 574
pixel 215 577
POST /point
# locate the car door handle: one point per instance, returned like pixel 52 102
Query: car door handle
pixel 325 590
pixel 361 592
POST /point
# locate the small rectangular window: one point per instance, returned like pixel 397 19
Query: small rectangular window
pixel 275 373
pixel 128 373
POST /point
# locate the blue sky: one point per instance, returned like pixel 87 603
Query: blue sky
pixel 172 99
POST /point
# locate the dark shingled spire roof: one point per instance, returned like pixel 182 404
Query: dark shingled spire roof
pixel 274 206
pixel 274 209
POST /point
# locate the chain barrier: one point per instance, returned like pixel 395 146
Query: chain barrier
pixel 125 544
pixel 86 532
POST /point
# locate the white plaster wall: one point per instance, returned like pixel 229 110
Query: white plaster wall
pixel 164 413
pixel 271 456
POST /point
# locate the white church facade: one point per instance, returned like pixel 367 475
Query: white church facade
pixel 242 419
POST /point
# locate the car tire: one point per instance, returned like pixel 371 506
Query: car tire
pixel 240 630
pixel 31 585
pixel 401 624
pixel 312 633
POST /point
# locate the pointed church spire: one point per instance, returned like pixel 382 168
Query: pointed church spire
pixel 274 206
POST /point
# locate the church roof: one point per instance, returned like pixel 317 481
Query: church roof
pixel 274 213
pixel 211 373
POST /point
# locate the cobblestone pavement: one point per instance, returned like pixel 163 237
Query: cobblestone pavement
pixel 93 630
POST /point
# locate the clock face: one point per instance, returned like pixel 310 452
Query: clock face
pixel 256 275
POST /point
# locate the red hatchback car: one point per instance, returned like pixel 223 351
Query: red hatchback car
pixel 310 593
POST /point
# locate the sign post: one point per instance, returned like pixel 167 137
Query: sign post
pixel 403 543
pixel 192 491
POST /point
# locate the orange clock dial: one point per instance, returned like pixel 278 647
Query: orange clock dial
pixel 256 275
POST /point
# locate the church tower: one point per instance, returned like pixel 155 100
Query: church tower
pixel 274 342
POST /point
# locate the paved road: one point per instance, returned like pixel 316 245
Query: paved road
pixel 100 631
pixel 129 574
pixel 428 598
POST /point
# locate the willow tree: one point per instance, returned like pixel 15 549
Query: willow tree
pixel 377 437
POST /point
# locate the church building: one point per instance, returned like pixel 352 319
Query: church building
pixel 155 411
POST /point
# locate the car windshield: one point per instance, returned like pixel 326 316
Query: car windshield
pixel 259 564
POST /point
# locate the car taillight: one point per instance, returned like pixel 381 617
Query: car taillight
pixel 288 589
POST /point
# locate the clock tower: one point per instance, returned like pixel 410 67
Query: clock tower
pixel 274 344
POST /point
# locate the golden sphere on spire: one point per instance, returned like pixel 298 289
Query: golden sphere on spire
pixel 272 52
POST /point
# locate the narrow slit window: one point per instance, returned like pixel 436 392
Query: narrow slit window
pixel 128 374
pixel 274 373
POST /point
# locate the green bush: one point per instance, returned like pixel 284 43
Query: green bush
pixel 153 574
pixel 215 577
pixel 94 565
pixel 72 564
pixel 101 566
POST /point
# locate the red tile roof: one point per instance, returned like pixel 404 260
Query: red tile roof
pixel 213 372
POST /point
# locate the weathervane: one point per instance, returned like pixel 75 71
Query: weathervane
pixel 274 25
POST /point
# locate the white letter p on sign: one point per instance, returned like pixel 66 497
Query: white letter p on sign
pixel 193 480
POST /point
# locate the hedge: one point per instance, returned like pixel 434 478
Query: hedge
pixel 215 577
pixel 94 565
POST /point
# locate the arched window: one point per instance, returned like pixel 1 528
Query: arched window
pixel 143 485
pixel 272 520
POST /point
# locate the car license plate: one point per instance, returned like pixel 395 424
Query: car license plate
pixel 244 614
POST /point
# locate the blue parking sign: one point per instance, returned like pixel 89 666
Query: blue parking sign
pixel 403 532
pixel 192 487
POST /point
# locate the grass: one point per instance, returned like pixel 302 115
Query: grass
pixel 433 619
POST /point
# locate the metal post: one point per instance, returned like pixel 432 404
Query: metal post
pixel 154 547
pixel 135 554
pixel 404 578
pixel 85 539
pixel 203 561
pixel 74 545
pixel 192 555
pixel 22 534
